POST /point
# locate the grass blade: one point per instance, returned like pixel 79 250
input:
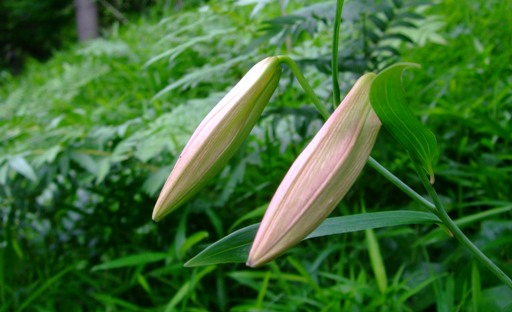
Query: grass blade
pixel 132 260
pixel 49 282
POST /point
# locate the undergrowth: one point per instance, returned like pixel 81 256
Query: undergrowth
pixel 89 137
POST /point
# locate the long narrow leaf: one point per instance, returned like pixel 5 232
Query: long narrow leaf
pixel 235 247
pixel 41 289
pixel 19 164
pixel 129 261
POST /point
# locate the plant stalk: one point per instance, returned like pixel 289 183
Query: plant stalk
pixel 457 233
pixel 305 85
pixel 401 185
pixel 336 97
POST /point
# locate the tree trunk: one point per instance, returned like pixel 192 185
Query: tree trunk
pixel 86 19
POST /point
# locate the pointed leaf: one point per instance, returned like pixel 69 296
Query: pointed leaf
pixel 86 162
pixel 381 25
pixel 156 180
pixel 235 247
pixel 20 165
pixel 103 170
pixel 388 100
pixel 398 36
pixel 191 241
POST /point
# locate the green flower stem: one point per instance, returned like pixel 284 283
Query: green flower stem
pixel 401 185
pixel 305 85
pixel 456 231
pixel 334 62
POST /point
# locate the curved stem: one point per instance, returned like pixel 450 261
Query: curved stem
pixel 457 233
pixel 401 185
pixel 334 60
pixel 305 85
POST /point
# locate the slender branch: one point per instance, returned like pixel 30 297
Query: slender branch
pixel 305 85
pixel 457 233
pixel 334 60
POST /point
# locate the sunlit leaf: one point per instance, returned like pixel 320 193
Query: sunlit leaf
pixel 86 161
pixel 20 165
pixel 398 36
pixel 103 169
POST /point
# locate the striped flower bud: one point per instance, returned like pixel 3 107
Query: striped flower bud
pixel 320 177
pixel 218 136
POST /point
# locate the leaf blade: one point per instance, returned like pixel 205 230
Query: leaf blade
pixel 388 100
pixel 21 165
pixel 235 247
pixel 131 260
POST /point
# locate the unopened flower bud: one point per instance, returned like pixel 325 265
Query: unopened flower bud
pixel 219 135
pixel 320 177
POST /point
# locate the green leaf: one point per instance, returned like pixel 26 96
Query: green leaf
pixel 41 290
pixel 103 170
pixel 47 157
pixel 171 54
pixel 192 241
pixel 156 180
pixel 86 162
pixel 378 267
pixel 187 288
pixel 398 36
pixel 113 301
pixel 129 261
pixel 381 25
pixel 199 75
pixel 20 165
pixel 440 234
pixel 388 100
pixel 235 247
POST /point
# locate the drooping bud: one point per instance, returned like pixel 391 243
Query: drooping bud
pixel 320 177
pixel 219 135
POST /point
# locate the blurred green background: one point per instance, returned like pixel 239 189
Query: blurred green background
pixel 90 131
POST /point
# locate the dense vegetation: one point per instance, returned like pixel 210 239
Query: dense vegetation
pixel 34 29
pixel 89 137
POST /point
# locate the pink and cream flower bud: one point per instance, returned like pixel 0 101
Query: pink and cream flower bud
pixel 320 177
pixel 219 135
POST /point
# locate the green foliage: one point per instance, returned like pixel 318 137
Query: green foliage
pixel 372 33
pixel 235 247
pixel 33 29
pixel 85 145
pixel 388 100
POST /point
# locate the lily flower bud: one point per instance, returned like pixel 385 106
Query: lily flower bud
pixel 320 177
pixel 218 136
